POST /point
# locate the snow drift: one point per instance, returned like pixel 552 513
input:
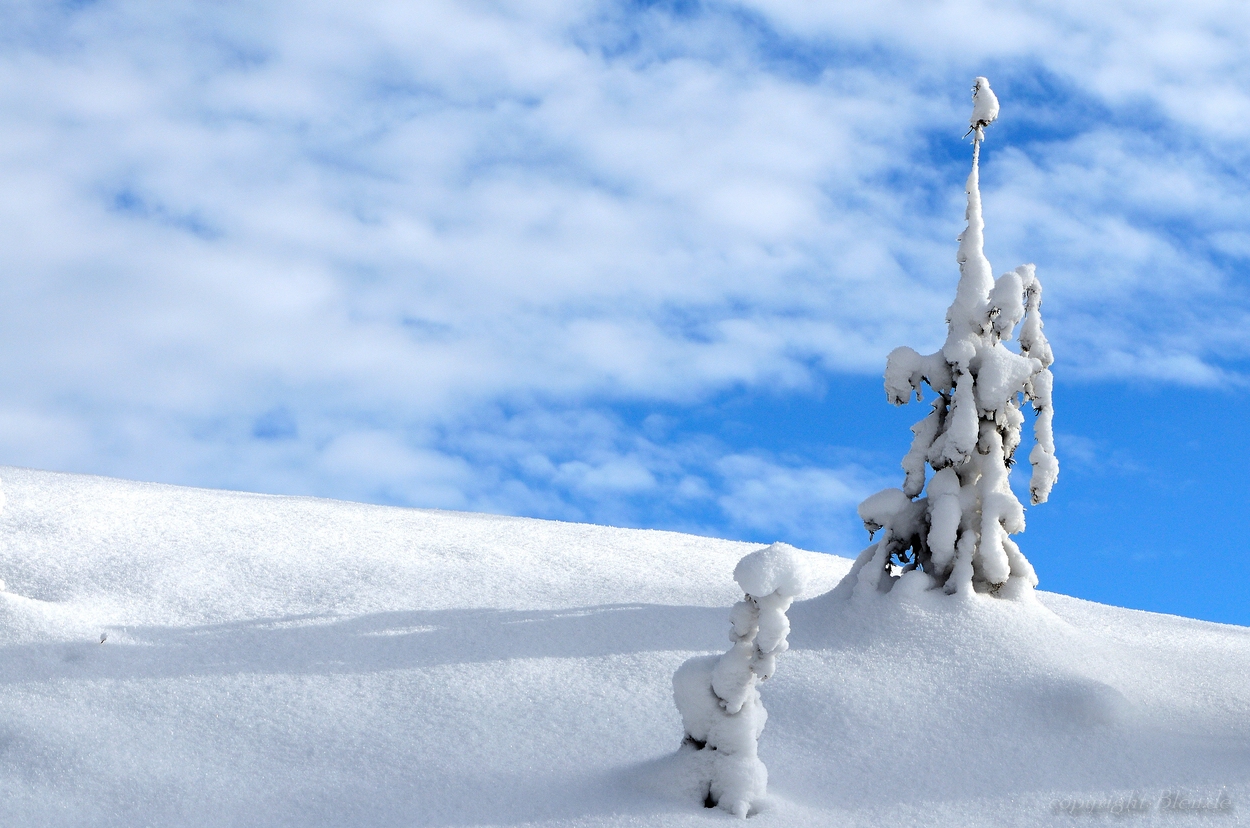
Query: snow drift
pixel 296 662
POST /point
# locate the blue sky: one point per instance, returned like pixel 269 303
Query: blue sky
pixel 629 263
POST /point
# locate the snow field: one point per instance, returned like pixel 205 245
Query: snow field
pixel 289 661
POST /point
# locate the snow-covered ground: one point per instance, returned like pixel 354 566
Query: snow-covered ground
pixel 291 661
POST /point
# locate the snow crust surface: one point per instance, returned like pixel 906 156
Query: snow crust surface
pixel 297 662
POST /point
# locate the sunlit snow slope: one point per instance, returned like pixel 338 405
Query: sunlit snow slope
pixel 289 661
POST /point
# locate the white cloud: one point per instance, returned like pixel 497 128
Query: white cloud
pixel 805 501
pixel 393 221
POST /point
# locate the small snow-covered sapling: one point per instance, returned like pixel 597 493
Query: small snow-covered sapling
pixel 718 697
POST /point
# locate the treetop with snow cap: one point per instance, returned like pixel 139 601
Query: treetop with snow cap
pixel 777 568
pixel 958 534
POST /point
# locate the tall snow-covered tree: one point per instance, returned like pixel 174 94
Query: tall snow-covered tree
pixel 957 535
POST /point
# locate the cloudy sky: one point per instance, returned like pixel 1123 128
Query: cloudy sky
pixel 628 262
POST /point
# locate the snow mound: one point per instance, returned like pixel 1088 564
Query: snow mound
pixel 296 662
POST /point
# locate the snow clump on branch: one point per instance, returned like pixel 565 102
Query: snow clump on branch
pixel 718 697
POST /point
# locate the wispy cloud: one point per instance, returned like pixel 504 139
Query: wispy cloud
pixel 320 247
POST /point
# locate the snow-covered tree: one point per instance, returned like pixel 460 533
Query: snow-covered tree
pixel 717 696
pixel 958 534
